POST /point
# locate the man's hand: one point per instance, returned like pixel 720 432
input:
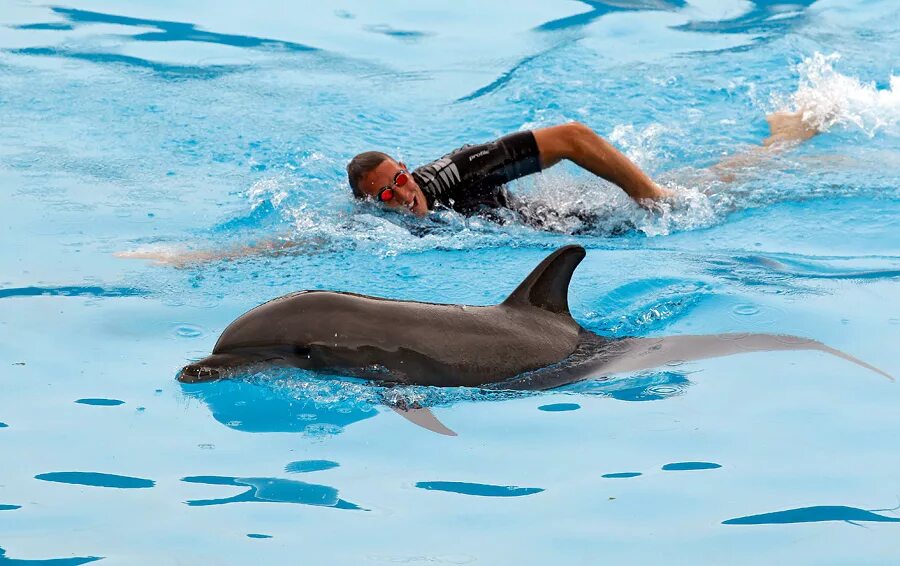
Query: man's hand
pixel 788 127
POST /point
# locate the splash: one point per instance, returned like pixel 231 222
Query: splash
pixel 302 206
pixel 643 146
pixel 829 98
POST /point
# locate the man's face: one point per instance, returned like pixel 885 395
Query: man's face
pixel 408 197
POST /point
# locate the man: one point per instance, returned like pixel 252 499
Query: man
pixel 472 178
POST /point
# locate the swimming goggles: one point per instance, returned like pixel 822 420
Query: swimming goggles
pixel 386 193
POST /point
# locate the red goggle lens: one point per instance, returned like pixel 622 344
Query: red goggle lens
pixel 387 193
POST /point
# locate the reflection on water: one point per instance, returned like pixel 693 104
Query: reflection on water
pixel 311 406
pixel 170 31
pixel 643 386
pixel 480 489
pixel 621 475
pixel 167 70
pixel 764 16
pixel 74 561
pixel 97 479
pixel 599 9
pixel 304 466
pixel 556 407
pixel 815 514
pixel 685 466
pixel 98 402
pixel 284 400
pixel 272 490
pixel 162 31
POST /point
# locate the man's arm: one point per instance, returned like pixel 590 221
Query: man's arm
pixel 186 257
pixel 786 130
pixel 581 145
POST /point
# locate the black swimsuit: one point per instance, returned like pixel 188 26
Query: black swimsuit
pixel 471 179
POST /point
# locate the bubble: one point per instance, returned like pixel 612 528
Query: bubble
pixel 322 429
pixel 184 330
pixel 745 310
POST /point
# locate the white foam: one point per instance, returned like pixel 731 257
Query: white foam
pixel 829 98
pixel 271 189
pixel 641 146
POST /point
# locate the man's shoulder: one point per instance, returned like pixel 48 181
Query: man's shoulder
pixel 464 154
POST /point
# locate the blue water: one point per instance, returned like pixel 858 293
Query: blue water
pixel 186 133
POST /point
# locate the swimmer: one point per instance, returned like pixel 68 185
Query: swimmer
pixel 472 179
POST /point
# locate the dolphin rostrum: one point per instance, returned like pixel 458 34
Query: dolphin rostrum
pixel 529 341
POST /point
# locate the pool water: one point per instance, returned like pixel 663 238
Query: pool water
pixel 191 131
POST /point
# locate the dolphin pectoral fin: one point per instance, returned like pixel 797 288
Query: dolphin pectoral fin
pixel 417 414
pixel 424 418
pixel 212 368
pixel 414 412
pixel 646 353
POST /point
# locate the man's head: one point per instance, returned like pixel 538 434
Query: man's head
pixel 371 172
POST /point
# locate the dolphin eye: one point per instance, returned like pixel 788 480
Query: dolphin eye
pixel 301 350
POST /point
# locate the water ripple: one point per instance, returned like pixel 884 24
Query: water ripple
pixel 479 489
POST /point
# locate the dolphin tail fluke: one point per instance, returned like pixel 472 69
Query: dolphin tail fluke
pixel 646 353
pixel 852 359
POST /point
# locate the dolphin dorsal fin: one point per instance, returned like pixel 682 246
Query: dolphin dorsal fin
pixel 547 287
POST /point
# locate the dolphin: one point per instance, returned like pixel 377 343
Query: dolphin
pixel 529 341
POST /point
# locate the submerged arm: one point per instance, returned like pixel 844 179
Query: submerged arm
pixel 187 257
pixel 786 131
